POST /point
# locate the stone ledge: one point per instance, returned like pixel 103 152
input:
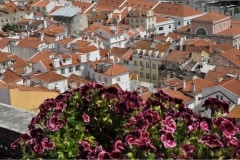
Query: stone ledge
pixel 15 119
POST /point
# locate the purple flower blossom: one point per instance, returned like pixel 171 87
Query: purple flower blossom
pixel 188 150
pixel 38 149
pixel 169 125
pixel 168 140
pixel 211 140
pixel 204 126
pixel 228 128
pixel 86 118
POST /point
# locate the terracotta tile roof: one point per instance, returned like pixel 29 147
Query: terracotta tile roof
pixel 113 70
pixel 127 55
pixel 146 44
pixel 230 85
pixel 19 64
pixel 103 52
pixel 184 29
pixel 4 57
pixel 177 56
pixel 65 40
pixel 81 43
pixel 230 32
pixel 63 56
pixel 199 42
pixel 143 4
pixel 10 7
pixel 29 42
pixel 145 96
pixel 132 33
pixel 50 77
pixel 220 73
pixel 41 3
pixel 233 56
pixel 12 77
pixel 199 85
pixel 175 10
pixel 53 30
pixel 234 112
pixel 177 94
pixel 83 5
pixel 211 17
pixel 223 46
pixel 116 69
pixel 235 23
pixel 160 18
pixel 110 3
pixel 33 89
pixel 4 85
pixel 118 51
pixel 78 80
pixel 87 49
pixel 116 85
pixel 175 82
pixel 174 36
pixel 48 39
pixel 43 56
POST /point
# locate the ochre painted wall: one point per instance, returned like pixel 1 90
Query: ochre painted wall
pixel 29 100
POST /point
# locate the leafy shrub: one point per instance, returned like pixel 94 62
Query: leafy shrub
pixel 106 123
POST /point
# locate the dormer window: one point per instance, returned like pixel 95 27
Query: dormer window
pixel 64 60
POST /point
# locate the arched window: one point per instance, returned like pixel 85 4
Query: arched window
pixel 201 32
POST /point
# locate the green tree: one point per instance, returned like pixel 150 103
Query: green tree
pixel 7 27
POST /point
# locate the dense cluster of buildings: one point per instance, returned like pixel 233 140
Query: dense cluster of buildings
pixel 53 46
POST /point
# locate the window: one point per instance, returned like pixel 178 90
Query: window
pixel 105 80
pixel 147 75
pixel 64 60
pixel 118 79
pixel 70 69
pixel 160 28
pixel 77 68
pixel 62 71
pixel 154 77
pixel 170 26
pixel 154 66
pixel 141 63
pixel 141 74
pixel 135 63
pixel 179 23
pixel 217 96
pixel 99 77
pixel 201 32
pixel 147 64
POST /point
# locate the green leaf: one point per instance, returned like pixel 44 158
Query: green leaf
pixel 151 156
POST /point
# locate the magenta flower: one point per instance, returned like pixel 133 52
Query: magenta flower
pixel 168 140
pixel 211 140
pixel 169 124
pixel 104 155
pixel 204 126
pixel 188 150
pixel 193 126
pixel 38 149
pixel 86 118
pixel 228 128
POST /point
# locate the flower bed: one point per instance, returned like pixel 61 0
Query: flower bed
pixel 95 122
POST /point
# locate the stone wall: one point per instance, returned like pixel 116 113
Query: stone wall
pixel 13 123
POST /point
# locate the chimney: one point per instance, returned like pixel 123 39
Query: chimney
pixel 193 87
pixel 41 36
pixel 184 84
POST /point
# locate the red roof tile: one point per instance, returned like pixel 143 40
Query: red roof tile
pixel 50 77
pixel 178 10
pixel 211 17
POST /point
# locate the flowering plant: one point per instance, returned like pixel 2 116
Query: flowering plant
pixel 95 122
